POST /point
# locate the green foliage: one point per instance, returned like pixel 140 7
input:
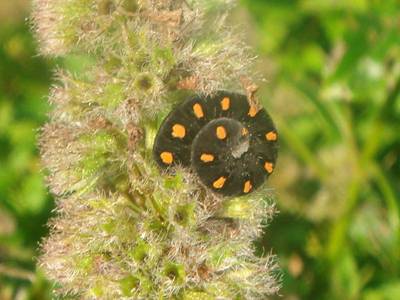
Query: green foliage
pixel 334 71
pixel 24 201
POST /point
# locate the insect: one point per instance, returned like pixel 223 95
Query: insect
pixel 230 144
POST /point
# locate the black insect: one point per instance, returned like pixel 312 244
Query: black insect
pixel 230 144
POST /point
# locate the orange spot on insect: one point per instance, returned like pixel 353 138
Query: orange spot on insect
pixel 225 103
pixel 167 158
pixel 207 157
pixel 269 167
pixel 178 131
pixel 245 131
pixel 219 183
pixel 198 111
pixel 271 136
pixel 253 111
pixel 247 186
pixel 221 132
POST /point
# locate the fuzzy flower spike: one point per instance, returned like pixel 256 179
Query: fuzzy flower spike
pixel 125 229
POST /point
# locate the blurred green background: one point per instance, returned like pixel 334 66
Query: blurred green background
pixel 24 203
pixel 333 88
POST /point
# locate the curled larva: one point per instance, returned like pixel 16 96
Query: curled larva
pixel 230 144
